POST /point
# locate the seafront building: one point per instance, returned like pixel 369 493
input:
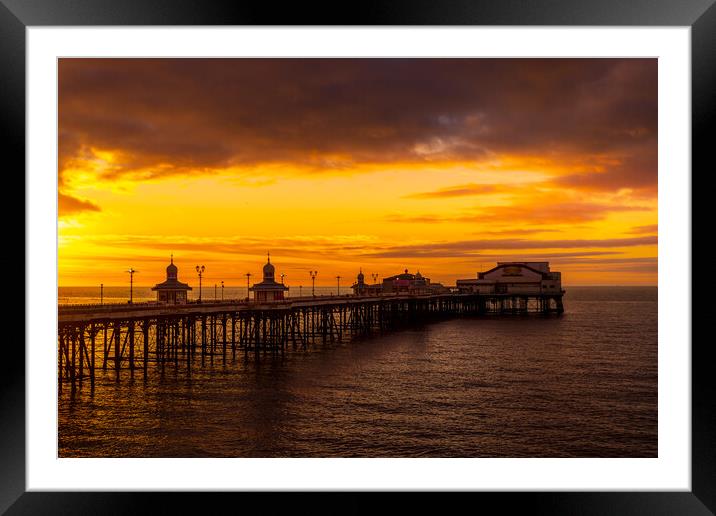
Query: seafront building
pixel 406 282
pixel 400 283
pixel 171 291
pixel 514 278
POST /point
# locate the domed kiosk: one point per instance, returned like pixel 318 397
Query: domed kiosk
pixel 361 288
pixel 268 290
pixel 172 291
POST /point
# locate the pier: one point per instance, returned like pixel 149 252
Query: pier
pixel 129 337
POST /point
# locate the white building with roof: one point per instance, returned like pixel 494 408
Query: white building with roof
pixel 514 278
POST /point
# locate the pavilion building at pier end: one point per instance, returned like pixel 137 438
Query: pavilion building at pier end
pixel 514 278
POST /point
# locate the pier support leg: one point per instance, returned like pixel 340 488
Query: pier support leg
pixel 104 347
pixel 145 344
pixel 93 334
pixel 73 358
pixel 233 336
pixel 117 350
pixel 60 373
pixel 203 336
pixel 82 351
pixel 130 336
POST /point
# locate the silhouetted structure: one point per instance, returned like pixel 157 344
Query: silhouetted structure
pixel 514 278
pixel 438 288
pixel 130 336
pixel 408 283
pixel 361 288
pixel 268 290
pixel 172 291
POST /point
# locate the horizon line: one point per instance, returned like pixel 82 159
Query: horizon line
pixel 333 285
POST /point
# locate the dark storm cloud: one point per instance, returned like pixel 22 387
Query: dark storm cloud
pixel 179 115
pixel 636 170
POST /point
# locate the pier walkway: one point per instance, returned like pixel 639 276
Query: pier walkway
pixel 130 336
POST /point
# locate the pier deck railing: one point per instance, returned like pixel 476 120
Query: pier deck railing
pixel 130 337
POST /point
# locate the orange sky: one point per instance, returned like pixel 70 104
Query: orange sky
pixel 440 165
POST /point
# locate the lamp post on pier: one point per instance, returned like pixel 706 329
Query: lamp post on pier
pixel 283 276
pixel 313 282
pixel 214 292
pixel 101 293
pixel 131 272
pixel 338 278
pixel 200 270
pixel 222 290
pixel 248 277
pixel 375 277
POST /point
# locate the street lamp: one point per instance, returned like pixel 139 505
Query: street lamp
pixel 214 291
pixel 248 276
pixel 222 290
pixel 313 282
pixel 101 293
pixel 200 270
pixel 300 290
pixel 282 276
pixel 338 278
pixel 131 272
pixel 375 277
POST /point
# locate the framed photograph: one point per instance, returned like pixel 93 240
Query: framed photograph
pixel 410 251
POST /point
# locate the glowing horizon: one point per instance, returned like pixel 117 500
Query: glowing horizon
pixel 438 165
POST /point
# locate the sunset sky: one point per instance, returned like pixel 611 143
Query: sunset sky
pixel 441 165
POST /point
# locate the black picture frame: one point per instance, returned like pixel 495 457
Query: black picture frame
pixel 699 15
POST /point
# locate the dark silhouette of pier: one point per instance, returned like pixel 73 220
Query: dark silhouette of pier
pixel 131 336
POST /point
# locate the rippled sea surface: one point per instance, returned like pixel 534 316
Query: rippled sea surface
pixel 580 385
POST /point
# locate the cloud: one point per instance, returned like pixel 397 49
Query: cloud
pixel 547 255
pixel 640 230
pixel 627 260
pixel 457 191
pixel 357 247
pixel 517 231
pixel 161 117
pixel 539 209
pixel 68 205
pixel 239 245
pixel 637 171
pixel 553 212
pixel 471 247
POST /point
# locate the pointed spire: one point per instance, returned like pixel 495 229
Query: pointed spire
pixel 172 258
pixel 268 256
